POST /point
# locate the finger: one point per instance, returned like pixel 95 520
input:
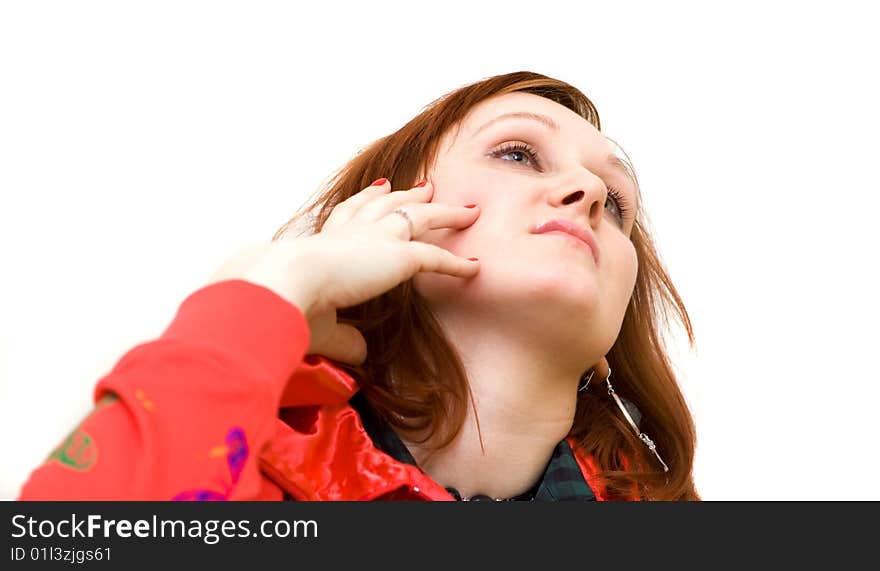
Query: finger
pixel 446 216
pixel 430 217
pixel 348 208
pixel 384 204
pixel 433 258
pixel 346 345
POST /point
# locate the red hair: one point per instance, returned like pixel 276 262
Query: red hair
pixel 415 380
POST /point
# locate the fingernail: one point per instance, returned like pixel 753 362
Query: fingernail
pixel 469 205
pixel 473 259
pixel 423 183
pixel 379 182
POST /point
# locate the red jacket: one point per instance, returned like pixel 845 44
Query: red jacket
pixel 225 404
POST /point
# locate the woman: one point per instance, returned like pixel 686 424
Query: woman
pixel 454 339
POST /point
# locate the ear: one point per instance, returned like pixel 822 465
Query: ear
pixel 601 369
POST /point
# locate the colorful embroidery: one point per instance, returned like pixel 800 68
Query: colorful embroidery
pixel 142 397
pixel 236 450
pixel 217 451
pixel 200 496
pixel 78 451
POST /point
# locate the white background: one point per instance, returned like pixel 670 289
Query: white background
pixel 141 143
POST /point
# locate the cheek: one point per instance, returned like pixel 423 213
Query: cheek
pixel 625 271
pixel 461 187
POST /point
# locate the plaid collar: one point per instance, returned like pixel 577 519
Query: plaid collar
pixel 562 480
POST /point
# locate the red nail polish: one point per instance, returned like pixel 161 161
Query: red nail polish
pixel 473 259
pixel 379 182
pixel 469 205
pixel 421 184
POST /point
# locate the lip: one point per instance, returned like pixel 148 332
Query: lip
pixel 579 232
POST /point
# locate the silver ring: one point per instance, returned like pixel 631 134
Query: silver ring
pixel 409 221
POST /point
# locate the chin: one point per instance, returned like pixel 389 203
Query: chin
pixel 563 286
pixel 542 286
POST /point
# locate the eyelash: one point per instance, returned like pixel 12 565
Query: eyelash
pixel 622 204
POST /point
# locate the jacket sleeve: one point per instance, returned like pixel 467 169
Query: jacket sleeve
pixel 184 416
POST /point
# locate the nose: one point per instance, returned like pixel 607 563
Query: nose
pixel 583 192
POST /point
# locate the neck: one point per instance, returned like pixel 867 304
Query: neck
pixel 525 394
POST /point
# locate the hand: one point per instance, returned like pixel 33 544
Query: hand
pixel 363 250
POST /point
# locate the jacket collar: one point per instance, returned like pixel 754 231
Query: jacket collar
pixel 321 451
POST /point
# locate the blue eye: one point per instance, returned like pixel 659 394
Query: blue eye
pixel 619 202
pixel 615 198
pixel 519 149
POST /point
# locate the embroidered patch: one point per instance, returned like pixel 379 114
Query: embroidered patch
pixel 236 450
pixel 142 397
pixel 78 451
pixel 199 496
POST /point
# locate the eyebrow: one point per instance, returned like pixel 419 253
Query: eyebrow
pixel 543 119
pixel 612 160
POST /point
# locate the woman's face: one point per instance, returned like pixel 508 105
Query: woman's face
pixel 522 173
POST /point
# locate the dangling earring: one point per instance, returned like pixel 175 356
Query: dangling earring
pixel 642 436
pixel 584 386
